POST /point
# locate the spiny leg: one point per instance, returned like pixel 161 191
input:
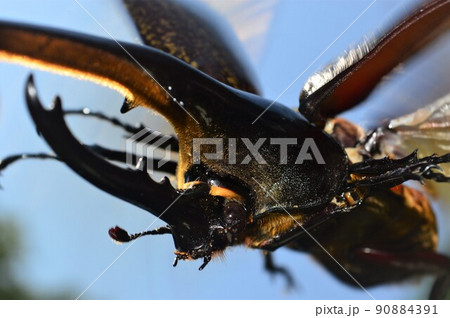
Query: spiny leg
pixel 121 156
pixel 132 129
pixel 206 261
pixel 113 155
pixel 86 112
pixel 428 262
pixel 436 176
pixel 274 269
pixel 388 172
pixel 4 163
pixel 373 166
pixel 108 154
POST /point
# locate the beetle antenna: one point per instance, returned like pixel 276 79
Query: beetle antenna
pixel 114 155
pixel 120 235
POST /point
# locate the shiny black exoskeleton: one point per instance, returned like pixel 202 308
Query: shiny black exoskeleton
pixel 250 171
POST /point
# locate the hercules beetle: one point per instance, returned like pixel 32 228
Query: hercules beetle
pixel 217 204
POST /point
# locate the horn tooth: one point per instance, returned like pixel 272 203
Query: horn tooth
pixel 126 106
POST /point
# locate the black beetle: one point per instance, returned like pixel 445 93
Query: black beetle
pixel 317 190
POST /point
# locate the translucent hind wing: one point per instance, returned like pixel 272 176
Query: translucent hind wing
pixel 426 129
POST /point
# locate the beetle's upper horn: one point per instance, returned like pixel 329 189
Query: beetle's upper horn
pixel 144 75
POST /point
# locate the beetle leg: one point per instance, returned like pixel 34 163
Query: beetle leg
pixel 438 177
pixel 441 288
pixel 274 269
pixel 121 156
pixel 86 112
pixel 298 231
pixel 132 129
pixel 388 172
pixel 370 144
pixel 417 262
pixel 346 133
pixel 113 155
pixel 6 162
pixel 425 261
pixel 206 260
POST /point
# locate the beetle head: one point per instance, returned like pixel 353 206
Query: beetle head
pixel 202 225
pixel 219 223
pixel 203 218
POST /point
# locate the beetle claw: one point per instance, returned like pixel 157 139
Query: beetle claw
pixel 175 261
pixel 274 269
pixel 206 260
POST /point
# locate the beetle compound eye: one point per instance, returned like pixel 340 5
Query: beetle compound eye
pixel 235 216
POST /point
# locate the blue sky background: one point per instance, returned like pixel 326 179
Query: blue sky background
pixel 64 220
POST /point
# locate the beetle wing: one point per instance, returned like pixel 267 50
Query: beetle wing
pixel 343 85
pixel 426 129
pixel 175 28
pixel 251 21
